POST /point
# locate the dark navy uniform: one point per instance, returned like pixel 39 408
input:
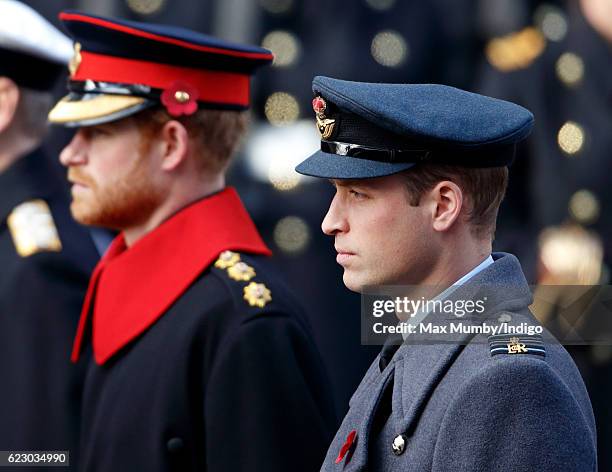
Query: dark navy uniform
pixel 46 259
pixel 469 402
pixel 201 358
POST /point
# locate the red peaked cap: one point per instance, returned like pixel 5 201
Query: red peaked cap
pixel 146 60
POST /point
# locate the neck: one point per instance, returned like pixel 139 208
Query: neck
pixel 453 265
pixel 179 199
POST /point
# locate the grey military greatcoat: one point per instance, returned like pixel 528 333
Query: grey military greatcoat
pixel 471 406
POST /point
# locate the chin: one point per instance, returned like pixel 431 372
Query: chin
pixel 85 215
pixel 351 282
pixel 79 214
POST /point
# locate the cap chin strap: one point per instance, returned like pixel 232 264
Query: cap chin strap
pixel 374 153
pixel 478 157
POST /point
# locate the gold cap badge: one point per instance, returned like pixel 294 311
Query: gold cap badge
pixel 324 125
pixel 32 229
pixel 257 294
pixel 75 62
pixel 227 259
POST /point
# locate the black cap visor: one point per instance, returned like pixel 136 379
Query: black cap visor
pixel 333 166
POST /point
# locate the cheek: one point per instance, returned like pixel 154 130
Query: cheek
pixel 401 233
pixel 112 162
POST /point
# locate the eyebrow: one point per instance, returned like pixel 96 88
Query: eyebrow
pixel 345 182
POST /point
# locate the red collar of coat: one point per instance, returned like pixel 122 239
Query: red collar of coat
pixel 131 288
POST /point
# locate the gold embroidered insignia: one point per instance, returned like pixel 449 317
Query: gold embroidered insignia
pixel 515 346
pixel 33 229
pixel 75 62
pixel 227 259
pixel 257 294
pixel 241 272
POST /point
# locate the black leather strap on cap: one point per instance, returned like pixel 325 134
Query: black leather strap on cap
pixel 481 157
pixel 373 153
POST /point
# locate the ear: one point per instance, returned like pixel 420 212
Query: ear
pixel 447 202
pixel 9 99
pixel 175 141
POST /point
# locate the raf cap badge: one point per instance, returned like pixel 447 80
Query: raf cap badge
pixel 32 229
pixel 257 294
pixel 324 125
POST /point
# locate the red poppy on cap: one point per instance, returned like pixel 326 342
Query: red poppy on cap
pixel 319 105
pixel 180 98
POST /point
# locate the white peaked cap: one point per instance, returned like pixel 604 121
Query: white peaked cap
pixel 22 29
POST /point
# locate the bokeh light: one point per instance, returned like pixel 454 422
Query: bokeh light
pixel 571 138
pixel 145 7
pixel 584 207
pixel 570 69
pixel 552 22
pixel 389 48
pixel 281 108
pixel 516 50
pixel 276 7
pixel 273 152
pixel 571 254
pixel 285 47
pixel 292 235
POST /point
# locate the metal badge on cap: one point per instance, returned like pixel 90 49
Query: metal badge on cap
pixel 75 62
pixel 324 125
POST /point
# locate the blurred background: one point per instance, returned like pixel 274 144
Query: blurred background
pixel 554 57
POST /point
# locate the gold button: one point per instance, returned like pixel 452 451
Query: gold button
pixel 181 96
pixel 399 444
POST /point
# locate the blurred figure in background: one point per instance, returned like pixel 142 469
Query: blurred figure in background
pixel 45 256
pixel 561 177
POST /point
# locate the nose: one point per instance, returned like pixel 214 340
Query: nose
pixel 335 220
pixel 75 153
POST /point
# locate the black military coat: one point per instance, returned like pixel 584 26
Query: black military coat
pixel 201 358
pixel 45 262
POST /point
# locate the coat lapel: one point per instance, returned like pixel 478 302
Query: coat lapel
pixel 133 287
pixel 421 365
pixel 363 415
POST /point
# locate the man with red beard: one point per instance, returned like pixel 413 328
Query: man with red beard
pixel 200 360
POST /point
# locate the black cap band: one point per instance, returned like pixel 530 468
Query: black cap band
pixel 375 154
pixel 478 157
